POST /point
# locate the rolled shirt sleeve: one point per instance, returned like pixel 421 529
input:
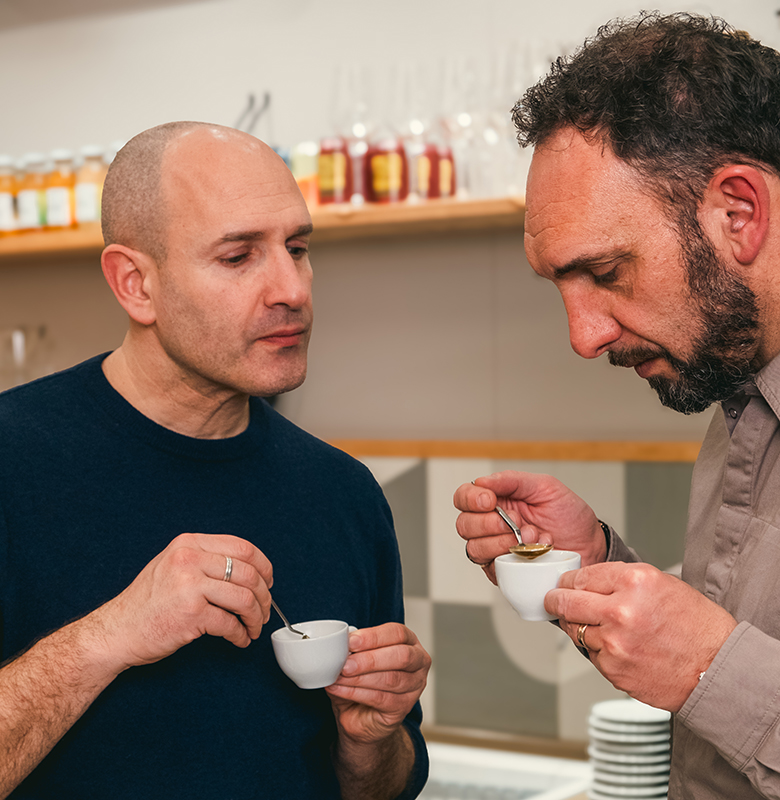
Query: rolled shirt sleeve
pixel 736 707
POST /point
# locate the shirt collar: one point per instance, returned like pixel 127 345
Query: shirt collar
pixel 768 383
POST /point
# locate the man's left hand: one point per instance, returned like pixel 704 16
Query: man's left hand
pixel 648 633
pixel 383 678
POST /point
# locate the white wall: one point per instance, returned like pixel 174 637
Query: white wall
pixel 451 337
pixel 98 79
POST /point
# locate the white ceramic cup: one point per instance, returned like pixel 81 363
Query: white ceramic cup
pixel 525 582
pixel 315 662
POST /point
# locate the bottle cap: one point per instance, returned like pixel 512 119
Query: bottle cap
pixel 91 151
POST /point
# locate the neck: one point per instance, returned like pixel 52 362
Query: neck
pixel 173 398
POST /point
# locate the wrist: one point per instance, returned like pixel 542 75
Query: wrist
pixel 90 640
pixel 373 769
pixel 600 542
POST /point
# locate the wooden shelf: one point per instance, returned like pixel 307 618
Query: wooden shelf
pixel 338 223
pixel 522 451
pixel 331 223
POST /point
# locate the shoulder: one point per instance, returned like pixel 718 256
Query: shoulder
pixel 321 467
pixel 43 404
pixel 303 444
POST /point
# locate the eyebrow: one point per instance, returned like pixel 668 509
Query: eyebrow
pixel 590 261
pixel 249 236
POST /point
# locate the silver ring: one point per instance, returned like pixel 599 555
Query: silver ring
pixel 581 636
pixel 228 569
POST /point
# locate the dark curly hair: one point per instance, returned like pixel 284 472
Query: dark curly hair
pixel 676 97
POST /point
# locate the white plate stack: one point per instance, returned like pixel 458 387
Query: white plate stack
pixel 629 751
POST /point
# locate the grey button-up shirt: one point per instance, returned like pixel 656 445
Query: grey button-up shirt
pixel 726 741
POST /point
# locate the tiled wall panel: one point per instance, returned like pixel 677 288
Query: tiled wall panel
pixel 492 670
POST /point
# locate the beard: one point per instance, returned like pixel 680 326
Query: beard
pixel 725 342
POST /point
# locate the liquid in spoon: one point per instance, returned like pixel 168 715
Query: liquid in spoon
pixel 527 551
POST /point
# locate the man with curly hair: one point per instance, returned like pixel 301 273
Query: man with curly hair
pixel 653 206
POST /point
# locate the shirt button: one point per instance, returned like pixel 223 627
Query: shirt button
pixel 733 413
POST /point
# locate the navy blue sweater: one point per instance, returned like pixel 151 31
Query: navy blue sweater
pixel 90 492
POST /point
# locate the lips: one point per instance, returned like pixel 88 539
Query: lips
pixel 284 337
pixel 644 368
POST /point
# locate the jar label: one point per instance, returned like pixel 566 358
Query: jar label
pixel 31 206
pixel 333 172
pixel 59 208
pixel 7 217
pixel 423 175
pixel 446 189
pixel 387 172
pixel 87 202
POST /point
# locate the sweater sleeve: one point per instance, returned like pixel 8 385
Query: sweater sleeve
pixel 740 717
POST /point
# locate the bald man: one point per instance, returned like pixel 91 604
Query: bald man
pixel 150 500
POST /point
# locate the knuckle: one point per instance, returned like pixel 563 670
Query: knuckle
pixel 408 659
pixel 245 599
pixel 183 557
pixel 396 680
pixel 185 540
pixel 243 549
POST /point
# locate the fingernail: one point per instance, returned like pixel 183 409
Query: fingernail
pixel 355 641
pixel 350 666
pixel 483 501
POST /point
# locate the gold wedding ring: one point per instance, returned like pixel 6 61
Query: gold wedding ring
pixel 581 635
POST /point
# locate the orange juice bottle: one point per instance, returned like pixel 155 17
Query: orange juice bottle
pixel 7 196
pixel 304 167
pixel 60 182
pixel 89 184
pixel 31 194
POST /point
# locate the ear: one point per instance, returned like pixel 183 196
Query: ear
pixel 129 273
pixel 736 204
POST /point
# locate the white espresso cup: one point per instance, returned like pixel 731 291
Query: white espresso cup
pixel 315 662
pixel 525 582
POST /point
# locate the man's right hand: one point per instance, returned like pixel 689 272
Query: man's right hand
pixel 182 595
pixel 544 509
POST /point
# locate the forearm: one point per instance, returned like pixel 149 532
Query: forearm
pixel 43 693
pixel 736 707
pixel 378 771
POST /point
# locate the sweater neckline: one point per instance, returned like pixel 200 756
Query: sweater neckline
pixel 120 416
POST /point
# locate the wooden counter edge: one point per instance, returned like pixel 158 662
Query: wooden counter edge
pixel 619 451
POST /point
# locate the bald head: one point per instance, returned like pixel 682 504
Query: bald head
pixel 135 212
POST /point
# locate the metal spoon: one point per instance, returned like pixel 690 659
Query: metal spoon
pixel 286 623
pixel 529 551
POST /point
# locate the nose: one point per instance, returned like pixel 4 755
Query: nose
pixel 288 280
pixel 592 327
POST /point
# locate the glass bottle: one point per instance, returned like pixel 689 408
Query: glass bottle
pixel 31 196
pixel 7 195
pixel 334 171
pixel 90 175
pixel 386 171
pixel 60 183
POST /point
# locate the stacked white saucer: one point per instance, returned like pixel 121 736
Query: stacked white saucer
pixel 629 751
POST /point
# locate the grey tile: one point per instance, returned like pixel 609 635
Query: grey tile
pixel 477 686
pixel 407 496
pixel 657 510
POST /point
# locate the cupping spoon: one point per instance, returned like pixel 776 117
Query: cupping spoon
pixel 286 623
pixel 529 551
